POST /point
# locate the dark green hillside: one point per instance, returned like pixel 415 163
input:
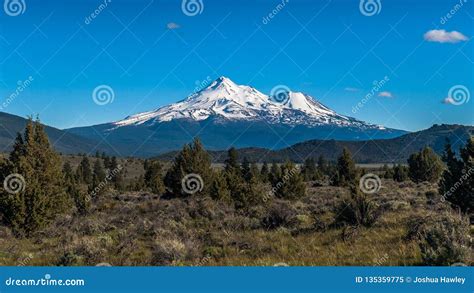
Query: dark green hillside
pixel 393 150
pixel 62 141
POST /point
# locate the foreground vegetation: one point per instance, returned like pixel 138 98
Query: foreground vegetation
pixel 90 211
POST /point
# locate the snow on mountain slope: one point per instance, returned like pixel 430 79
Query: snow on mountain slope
pixel 228 101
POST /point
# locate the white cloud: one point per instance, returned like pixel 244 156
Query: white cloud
pixel 442 36
pixel 385 95
pixel 448 100
pixel 173 26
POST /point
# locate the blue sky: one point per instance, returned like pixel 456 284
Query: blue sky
pixel 152 54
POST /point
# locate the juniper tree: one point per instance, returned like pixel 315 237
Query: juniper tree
pixel 387 172
pixel 83 172
pixel 67 170
pixel 290 183
pixel 5 167
pixel 154 176
pixel 113 163
pixel 457 182
pixel 106 162
pixel 425 166
pixel 219 189
pixel 192 161
pixel 245 169
pixel 254 173
pixel 232 161
pixel 275 174
pixel 98 173
pixel 74 190
pixel 322 165
pixel 116 173
pixel 346 170
pixel 309 170
pixel 264 172
pixel 467 155
pixel 19 148
pixel 244 192
pixel 249 194
pixel 451 174
pixel 250 171
pixel 400 173
pixel 232 173
pixel 41 196
pixel 98 184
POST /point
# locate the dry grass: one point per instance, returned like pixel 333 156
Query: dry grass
pixel 142 229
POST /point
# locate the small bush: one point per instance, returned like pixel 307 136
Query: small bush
pixel 443 241
pixel 68 259
pixel 280 214
pixel 168 251
pixel 358 210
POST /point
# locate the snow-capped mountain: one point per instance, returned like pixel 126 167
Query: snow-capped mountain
pixel 228 101
pixel 225 114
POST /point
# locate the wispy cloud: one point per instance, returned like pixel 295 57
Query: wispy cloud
pixel 173 26
pixel 442 36
pixel 385 95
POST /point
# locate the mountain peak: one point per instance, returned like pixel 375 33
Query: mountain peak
pixel 222 79
pixel 222 82
pixel 225 100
